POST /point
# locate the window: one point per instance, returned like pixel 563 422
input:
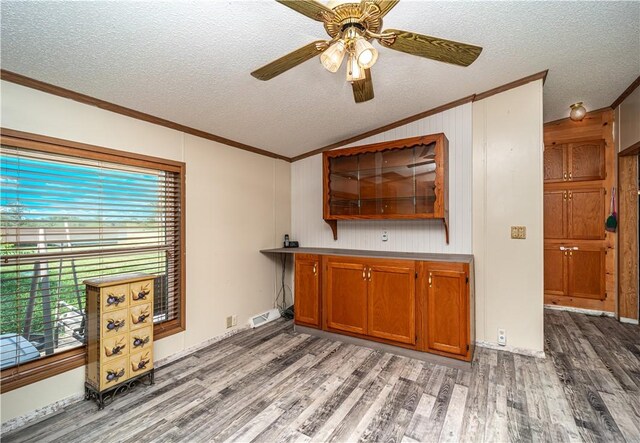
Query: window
pixel 72 212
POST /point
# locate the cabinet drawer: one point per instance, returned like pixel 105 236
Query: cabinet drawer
pixel 115 347
pixel 141 292
pixel 141 316
pixel 114 372
pixel 141 339
pixel 140 362
pixel 114 297
pixel 114 323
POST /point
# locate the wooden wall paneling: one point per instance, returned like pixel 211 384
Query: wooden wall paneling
pixel 628 237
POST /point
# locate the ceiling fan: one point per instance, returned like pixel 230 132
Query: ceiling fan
pixel 352 26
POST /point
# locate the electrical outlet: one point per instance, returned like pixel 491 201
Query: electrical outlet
pixel 234 320
pixel 502 337
pixel 518 232
pixel 385 236
pixel 230 321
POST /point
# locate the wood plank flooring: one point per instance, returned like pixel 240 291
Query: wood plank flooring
pixel 273 385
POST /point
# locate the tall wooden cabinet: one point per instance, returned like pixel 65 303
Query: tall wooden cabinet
pixel 578 176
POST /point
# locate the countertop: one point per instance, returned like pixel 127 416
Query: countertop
pixel 458 258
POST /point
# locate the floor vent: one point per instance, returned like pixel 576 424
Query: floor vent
pixel 264 318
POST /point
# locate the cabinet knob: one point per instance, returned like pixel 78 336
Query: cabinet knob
pixel 564 177
pixel 570 195
pixel 364 273
pixel 315 269
pixel 570 176
pixel 430 279
pixel 564 195
pixel 369 274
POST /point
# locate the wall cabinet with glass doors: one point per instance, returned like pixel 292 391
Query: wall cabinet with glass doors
pixel 400 179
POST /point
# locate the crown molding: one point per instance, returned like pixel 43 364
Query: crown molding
pixel 22 80
pixel 627 92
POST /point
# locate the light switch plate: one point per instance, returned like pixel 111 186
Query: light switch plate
pixel 518 232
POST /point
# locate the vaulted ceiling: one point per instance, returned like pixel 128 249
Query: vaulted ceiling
pixel 189 62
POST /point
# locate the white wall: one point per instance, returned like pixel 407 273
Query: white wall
pixel 628 121
pixel 237 203
pixel 507 191
pixel 310 230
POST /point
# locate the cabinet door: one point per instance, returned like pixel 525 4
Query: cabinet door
pixel 555 270
pixel 447 309
pixel 346 295
pixel 586 161
pixel 586 208
pixel 307 286
pixel 392 301
pixel 554 163
pixel 555 214
pixel 587 273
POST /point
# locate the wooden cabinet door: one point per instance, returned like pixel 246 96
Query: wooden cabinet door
pixel 586 161
pixel 345 290
pixel 586 211
pixel 447 309
pixel 307 287
pixel 587 273
pixel 554 163
pixel 555 214
pixel 392 300
pixel 555 270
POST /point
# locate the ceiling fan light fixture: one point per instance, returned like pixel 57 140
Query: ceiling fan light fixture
pixel 354 71
pixel 332 57
pixel 578 112
pixel 366 54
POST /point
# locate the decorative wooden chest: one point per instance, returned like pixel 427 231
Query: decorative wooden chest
pixel 119 334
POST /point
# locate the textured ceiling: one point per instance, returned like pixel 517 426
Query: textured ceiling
pixel 189 62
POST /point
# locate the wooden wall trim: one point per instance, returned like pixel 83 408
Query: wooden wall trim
pixel 92 101
pixel 471 98
pixel 514 84
pixel 627 92
pixel 634 149
pixel 567 119
pixel 628 237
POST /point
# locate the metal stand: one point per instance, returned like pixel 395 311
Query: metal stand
pixel 106 396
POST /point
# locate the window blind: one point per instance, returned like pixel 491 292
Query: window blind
pixel 65 219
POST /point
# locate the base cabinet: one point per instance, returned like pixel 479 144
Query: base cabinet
pixel 447 313
pixel 419 305
pixel 307 287
pixel 575 271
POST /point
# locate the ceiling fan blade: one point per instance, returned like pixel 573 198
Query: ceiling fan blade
pixel 435 48
pixel 385 6
pixel 363 89
pixel 310 8
pixel 291 60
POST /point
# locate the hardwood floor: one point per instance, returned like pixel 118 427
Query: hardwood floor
pixel 271 384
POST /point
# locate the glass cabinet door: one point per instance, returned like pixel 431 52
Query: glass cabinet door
pixel 391 182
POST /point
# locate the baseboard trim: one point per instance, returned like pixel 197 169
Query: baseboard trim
pixel 190 350
pixel 630 321
pixel 512 349
pixel 39 414
pixel 404 352
pixel 581 310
